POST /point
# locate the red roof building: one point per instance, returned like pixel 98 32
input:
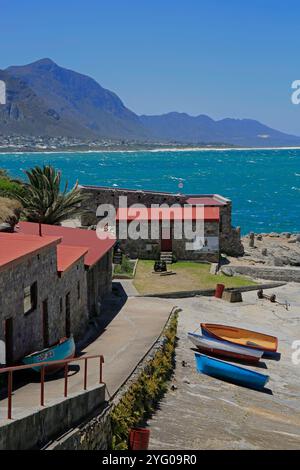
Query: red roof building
pixel 76 237
pixel 15 247
pixel 68 255
pixel 50 285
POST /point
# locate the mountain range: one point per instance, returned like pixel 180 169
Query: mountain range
pixel 44 99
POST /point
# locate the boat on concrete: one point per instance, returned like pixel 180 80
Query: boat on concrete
pixel 230 372
pixel 63 349
pixel 224 349
pixel 240 336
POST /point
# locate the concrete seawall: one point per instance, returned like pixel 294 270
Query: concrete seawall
pixel 39 428
pixel 210 292
pixel 269 272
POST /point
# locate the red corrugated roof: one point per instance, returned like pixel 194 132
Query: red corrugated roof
pixel 15 246
pixel 166 213
pixel 76 237
pixel 68 255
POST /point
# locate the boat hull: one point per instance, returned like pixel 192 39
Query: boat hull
pixel 232 373
pixel 224 349
pixel 242 337
pixel 65 349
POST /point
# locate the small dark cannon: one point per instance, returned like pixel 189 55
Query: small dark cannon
pixel 160 266
pixel 261 295
pixel 272 298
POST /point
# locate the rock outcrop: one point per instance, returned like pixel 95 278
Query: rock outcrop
pixel 274 249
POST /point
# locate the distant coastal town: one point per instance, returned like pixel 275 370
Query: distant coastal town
pixel 26 143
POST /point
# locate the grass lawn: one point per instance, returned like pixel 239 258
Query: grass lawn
pixel 189 276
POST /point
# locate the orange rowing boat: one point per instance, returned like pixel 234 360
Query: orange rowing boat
pixel 248 338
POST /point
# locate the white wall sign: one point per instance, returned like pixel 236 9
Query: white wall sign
pixel 2 92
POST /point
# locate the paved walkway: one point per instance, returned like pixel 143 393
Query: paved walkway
pixel 129 287
pixel 129 328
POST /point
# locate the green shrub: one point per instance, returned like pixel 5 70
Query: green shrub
pixel 10 188
pixel 141 398
pixel 126 267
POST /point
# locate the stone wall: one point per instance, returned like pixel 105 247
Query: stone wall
pixel 211 229
pixel 150 249
pixel 99 279
pixel 230 237
pixel 95 434
pixel 70 280
pixel 28 328
pixel 37 429
pixel 268 272
pixel 100 195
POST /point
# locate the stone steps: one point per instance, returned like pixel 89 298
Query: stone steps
pixel 166 256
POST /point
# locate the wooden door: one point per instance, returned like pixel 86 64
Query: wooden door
pixel 166 239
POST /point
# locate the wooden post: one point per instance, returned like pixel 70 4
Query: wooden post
pixel 101 362
pixel 66 380
pixel 43 386
pixel 251 239
pixel 85 374
pixel 10 386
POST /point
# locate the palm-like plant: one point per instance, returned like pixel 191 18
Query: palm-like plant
pixel 43 201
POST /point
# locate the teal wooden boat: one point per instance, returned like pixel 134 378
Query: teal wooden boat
pixel 63 349
pixel 236 374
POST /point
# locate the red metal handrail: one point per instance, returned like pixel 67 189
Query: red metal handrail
pixel 43 365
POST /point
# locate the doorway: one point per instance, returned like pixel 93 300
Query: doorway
pixel 166 239
pixel 68 316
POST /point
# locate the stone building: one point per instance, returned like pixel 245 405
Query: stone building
pixel 45 284
pixel 221 236
pixel 97 261
pixel 167 222
pixel 43 295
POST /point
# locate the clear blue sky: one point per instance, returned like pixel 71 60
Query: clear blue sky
pixel 233 58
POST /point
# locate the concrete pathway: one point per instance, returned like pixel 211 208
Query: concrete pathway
pixel 128 286
pixel 129 328
pixel 207 413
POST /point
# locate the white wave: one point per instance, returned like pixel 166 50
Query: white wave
pixel 171 149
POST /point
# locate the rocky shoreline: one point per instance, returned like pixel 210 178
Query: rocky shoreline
pixel 270 249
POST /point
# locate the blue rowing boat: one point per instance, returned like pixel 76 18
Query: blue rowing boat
pixel 63 349
pixel 223 370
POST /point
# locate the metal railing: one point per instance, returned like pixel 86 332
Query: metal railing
pixel 43 366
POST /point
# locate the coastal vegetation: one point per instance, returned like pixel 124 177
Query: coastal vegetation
pixel 188 276
pixel 41 197
pixel 141 398
pixel 125 269
pixel 8 186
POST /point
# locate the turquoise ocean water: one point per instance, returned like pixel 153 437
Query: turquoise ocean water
pixel 264 185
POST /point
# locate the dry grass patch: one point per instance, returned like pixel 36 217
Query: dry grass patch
pixel 10 210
